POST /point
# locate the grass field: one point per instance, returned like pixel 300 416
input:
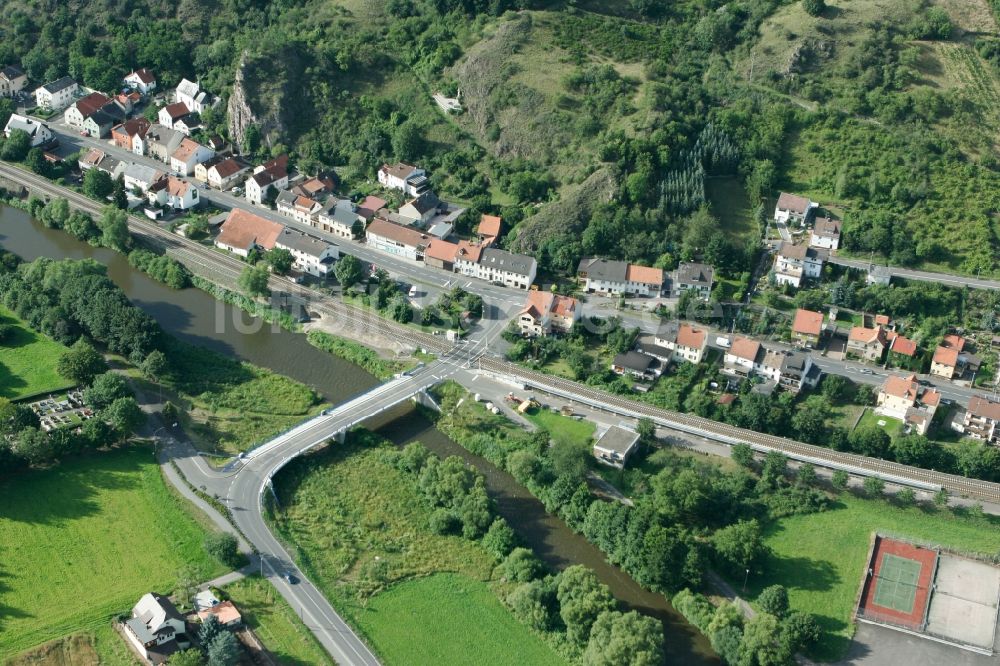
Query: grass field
pixel 232 405
pixel 892 427
pixel 359 528
pixel 82 542
pixel 563 429
pixel 731 205
pixel 449 619
pixel 824 580
pixel 28 361
pixel 275 623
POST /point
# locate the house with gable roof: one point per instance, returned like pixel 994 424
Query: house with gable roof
pixel 411 180
pixel 156 629
pixel 619 277
pixel 793 208
pixel 142 80
pixel 544 313
pixel 903 398
pixel 243 231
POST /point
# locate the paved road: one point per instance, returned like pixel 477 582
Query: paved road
pixel 923 276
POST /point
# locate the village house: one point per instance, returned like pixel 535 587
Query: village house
pixel 99 123
pixel 190 94
pixel 243 231
pixel 440 254
pixel 949 360
pixel 96 158
pixel 271 174
pixel 172 192
pixel 57 95
pixel 127 101
pixel 125 134
pixel 691 276
pixel 156 629
pixel 825 234
pixel 981 420
pixel 312 255
pixel 226 173
pixel 370 206
pixel 739 359
pixel 171 113
pixel 301 209
pixel 421 209
pixel 225 612
pixel 411 180
pixel 902 350
pixel 790 370
pixel 12 80
pixel 489 229
pixel 903 398
pixel 96 114
pixel 316 187
pixel 161 142
pixel 188 154
pixel 396 239
pixel 139 177
pixel 467 258
pixel 338 217
pixel 39 133
pixel 793 263
pixel 636 364
pixel 619 277
pixel 867 344
pixel 442 224
pixel 793 208
pixel 878 274
pixel 544 313
pixel 616 445
pixel 684 341
pixel 506 268
pixel 807 327
pixel 141 80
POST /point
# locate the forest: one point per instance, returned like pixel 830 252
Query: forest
pixel 592 128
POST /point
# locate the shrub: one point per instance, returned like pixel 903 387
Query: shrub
pixel 224 547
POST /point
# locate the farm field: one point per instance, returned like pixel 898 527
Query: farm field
pixel 824 580
pixel 28 361
pixel 92 536
pixel 460 621
pixel 359 528
pixel 275 623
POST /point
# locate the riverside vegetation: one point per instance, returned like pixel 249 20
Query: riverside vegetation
pixel 385 531
pixel 690 514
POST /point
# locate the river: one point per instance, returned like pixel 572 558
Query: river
pixel 196 317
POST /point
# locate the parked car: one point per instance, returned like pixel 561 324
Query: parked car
pixel 292 580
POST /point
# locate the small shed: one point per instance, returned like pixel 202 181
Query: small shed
pixel 616 445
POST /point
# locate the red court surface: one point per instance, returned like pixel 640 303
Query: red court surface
pixel 924 557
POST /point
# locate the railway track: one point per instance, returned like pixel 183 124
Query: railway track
pixel 217 264
pixel 889 471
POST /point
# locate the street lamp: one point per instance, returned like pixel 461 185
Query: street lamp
pixel 745 581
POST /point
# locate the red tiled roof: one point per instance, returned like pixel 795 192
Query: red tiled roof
pixel 136 126
pixel 953 341
pixel 902 387
pixel 881 320
pixel 691 337
pixel 143 75
pixel 90 104
pixel 807 322
pixel 867 335
pixel 441 250
pixel 243 229
pixel 176 110
pixel 947 356
pixel 745 348
pixel 904 346
pixel 644 275
pixel 489 225
pixel 186 150
pixel 469 252
pixel 228 167
pixel 400 170
pixel 373 204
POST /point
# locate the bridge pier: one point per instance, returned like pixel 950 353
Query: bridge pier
pixel 424 398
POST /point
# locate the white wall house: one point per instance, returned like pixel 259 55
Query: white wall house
pixel 396 239
pixel 192 96
pixel 156 629
pixel 793 208
pixel 338 217
pixel 175 193
pixel 312 255
pixel 512 270
pixel 189 153
pixel 12 81
pixel 142 80
pixel 405 177
pixel 825 234
pixel 793 263
pixel 39 132
pixel 57 95
pixel 619 277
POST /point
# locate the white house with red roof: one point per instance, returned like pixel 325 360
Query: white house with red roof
pixel 172 192
pixel 903 398
pixel 685 341
pixel 544 313
pixel 242 231
pixel 409 179
pixel 141 79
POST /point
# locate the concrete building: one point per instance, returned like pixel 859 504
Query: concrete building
pixel 903 398
pixel 807 327
pixel 795 263
pixel 685 341
pixel 12 80
pixel 616 445
pixel 39 133
pixel 396 239
pixel 404 177
pixel 57 95
pixel 691 276
pixel 793 208
pixel 868 344
pixel 825 233
pixel 981 419
pixel 511 270
pixel 619 277
pixel 243 231
pixel 544 313
pixel 156 629
pixel 338 217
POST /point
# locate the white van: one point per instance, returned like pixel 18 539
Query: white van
pixel 723 342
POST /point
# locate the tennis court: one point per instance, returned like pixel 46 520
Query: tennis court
pixel 897 584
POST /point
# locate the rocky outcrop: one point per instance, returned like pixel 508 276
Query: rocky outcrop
pixel 240 114
pixel 568 217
